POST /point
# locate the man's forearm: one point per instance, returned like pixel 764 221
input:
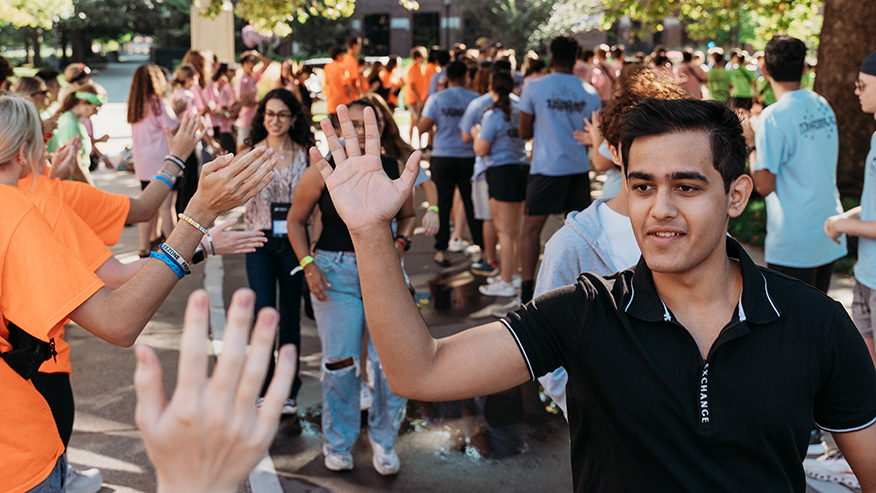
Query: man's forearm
pixel 405 346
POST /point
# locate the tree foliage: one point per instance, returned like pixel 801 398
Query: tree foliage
pixel 33 13
pixel 280 16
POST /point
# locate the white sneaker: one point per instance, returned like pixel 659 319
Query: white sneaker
pixel 516 281
pixel 473 252
pixel 831 467
pixel 503 310
pixel 497 288
pixel 337 462
pixel 85 481
pixel 385 462
pixel 366 397
pixel 290 407
pixel 457 245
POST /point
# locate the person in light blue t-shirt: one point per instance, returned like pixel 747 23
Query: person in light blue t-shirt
pixel 551 109
pixel 795 169
pixel 861 221
pixel 507 174
pixel 452 163
pixel 439 79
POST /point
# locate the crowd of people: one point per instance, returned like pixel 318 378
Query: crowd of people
pixel 669 353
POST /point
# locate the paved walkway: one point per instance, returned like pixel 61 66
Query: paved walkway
pixel 442 449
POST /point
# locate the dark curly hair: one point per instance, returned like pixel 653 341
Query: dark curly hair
pixel 299 131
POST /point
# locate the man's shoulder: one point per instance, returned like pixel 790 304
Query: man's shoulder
pixel 797 300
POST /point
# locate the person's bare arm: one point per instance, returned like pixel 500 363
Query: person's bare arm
pixel 425 124
pixel 307 194
pixel 182 143
pixel 525 127
pixel 224 184
pixel 478 361
pixel 764 182
pixel 482 147
pixel 849 223
pixel 406 219
pixel 115 274
pixel 859 449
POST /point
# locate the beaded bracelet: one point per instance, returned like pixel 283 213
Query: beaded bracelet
pixel 170 252
pixel 194 223
pixel 169 262
pixel 165 180
pixel 432 208
pixel 175 160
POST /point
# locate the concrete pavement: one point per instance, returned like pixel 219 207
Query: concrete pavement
pixel 462 446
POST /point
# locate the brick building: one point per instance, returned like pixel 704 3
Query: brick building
pixel 386 27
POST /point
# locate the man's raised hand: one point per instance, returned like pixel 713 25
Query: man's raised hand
pixel 362 193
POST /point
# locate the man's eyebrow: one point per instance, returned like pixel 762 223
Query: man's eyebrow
pixel 640 175
pixel 688 175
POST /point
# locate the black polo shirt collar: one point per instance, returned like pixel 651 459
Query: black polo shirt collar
pixel 755 304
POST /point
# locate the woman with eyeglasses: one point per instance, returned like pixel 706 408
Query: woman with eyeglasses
pixel 36 89
pixel 278 124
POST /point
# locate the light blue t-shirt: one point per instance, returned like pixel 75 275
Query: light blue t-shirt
pixel 506 146
pixel 474 113
pixel 559 103
pixel 797 141
pixel 435 80
pixel 446 109
pixel 865 269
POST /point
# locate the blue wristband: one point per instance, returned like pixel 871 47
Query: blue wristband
pixel 170 263
pixel 165 180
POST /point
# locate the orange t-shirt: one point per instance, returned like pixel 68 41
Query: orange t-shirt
pixel 389 81
pixel 337 77
pixel 104 212
pixel 413 81
pixel 84 243
pixel 430 70
pixel 351 63
pixel 41 282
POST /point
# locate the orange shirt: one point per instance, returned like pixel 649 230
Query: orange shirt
pixel 41 282
pixel 104 212
pixel 336 78
pixel 430 70
pixel 351 63
pixel 413 81
pixel 389 81
pixel 78 237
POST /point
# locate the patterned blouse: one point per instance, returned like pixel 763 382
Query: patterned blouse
pixel 280 190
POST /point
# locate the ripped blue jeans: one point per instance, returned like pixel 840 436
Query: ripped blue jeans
pixel 340 321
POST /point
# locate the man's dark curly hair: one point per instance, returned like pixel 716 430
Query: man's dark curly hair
pixel 784 57
pixel 299 131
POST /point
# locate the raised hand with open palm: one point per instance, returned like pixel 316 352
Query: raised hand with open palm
pixel 362 193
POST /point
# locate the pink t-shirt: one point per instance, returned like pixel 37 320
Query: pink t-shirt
pixel 150 143
pixel 226 100
pixel 243 84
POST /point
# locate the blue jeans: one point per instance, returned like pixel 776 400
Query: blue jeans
pixel 267 267
pixel 340 321
pixel 55 482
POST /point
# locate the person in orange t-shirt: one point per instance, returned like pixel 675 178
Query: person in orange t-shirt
pixel 430 69
pixel 336 80
pixel 42 283
pixel 414 82
pixel 390 77
pixel 351 63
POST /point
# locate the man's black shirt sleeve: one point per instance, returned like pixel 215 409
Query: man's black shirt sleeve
pixel 846 400
pixel 548 329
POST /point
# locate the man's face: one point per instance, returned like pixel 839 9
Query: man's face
pixel 678 207
pixel 865 89
pixel 355 49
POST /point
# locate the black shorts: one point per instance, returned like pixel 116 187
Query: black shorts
pixel 507 183
pixel 557 194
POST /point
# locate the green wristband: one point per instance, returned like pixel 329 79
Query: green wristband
pixel 306 260
pixel 432 208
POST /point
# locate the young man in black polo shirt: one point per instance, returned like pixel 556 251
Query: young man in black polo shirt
pixel 695 370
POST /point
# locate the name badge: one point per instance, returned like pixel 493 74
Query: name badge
pixel 279 211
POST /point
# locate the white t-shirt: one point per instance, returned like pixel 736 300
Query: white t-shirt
pixel 617 238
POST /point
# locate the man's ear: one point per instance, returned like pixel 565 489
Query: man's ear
pixel 615 155
pixel 740 191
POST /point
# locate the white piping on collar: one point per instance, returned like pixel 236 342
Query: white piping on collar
pixel 667 317
pixel 741 310
pixel 766 290
pixel 632 295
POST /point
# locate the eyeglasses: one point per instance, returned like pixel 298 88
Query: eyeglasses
pixel 282 117
pixel 860 85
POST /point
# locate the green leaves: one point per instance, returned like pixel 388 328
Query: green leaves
pixel 34 13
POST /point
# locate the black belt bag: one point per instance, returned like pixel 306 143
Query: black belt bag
pixel 28 353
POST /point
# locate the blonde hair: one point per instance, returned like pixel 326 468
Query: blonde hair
pixel 183 72
pixel 23 126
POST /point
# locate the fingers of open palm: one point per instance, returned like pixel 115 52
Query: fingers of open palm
pixel 149 388
pixel 237 324
pixel 256 366
pixel 372 133
pixel 348 130
pixel 258 183
pixel 405 183
pixel 192 372
pixel 321 164
pixel 278 392
pixel 256 170
pixel 334 143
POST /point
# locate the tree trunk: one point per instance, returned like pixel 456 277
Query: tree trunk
pixel 27 58
pixel 847 37
pixel 37 47
pixel 81 46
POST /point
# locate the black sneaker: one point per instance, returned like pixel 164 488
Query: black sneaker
pixel 441 258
